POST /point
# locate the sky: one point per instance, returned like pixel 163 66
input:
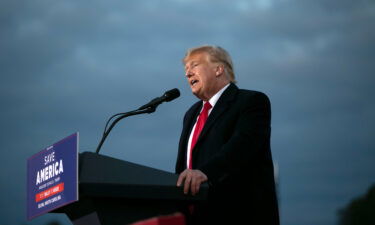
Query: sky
pixel 67 66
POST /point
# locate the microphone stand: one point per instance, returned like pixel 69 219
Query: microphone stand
pixel 149 109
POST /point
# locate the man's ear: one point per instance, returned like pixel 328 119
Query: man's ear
pixel 219 70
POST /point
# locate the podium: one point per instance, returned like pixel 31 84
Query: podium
pixel 113 191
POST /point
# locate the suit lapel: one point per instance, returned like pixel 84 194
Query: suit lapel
pixel 189 121
pixel 222 104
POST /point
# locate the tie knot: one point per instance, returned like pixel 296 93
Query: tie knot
pixel 207 106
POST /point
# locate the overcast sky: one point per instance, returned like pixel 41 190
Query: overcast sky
pixel 66 66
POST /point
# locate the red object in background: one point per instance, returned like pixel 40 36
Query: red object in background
pixel 174 219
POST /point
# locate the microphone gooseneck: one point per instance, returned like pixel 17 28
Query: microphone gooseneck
pixel 148 108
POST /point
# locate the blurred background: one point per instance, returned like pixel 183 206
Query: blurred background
pixel 66 66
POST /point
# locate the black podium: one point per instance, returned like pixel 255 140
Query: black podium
pixel 113 191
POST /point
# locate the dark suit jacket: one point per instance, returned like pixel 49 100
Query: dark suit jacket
pixel 233 150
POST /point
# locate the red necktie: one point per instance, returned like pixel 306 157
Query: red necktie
pixel 198 128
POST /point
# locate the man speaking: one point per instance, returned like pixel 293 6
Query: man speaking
pixel 225 141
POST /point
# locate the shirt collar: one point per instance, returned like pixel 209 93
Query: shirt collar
pixel 216 97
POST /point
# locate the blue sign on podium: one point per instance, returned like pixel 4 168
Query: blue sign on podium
pixel 52 177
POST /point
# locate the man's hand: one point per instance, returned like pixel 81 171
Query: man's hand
pixel 192 180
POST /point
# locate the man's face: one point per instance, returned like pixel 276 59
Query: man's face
pixel 201 75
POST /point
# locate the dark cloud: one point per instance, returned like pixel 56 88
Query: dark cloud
pixel 67 66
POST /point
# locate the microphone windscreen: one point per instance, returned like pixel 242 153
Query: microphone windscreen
pixel 172 94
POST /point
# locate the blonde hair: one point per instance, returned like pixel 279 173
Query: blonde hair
pixel 217 55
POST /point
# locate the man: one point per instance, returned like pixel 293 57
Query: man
pixel 225 141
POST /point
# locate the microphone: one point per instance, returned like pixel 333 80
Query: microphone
pixel 166 97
